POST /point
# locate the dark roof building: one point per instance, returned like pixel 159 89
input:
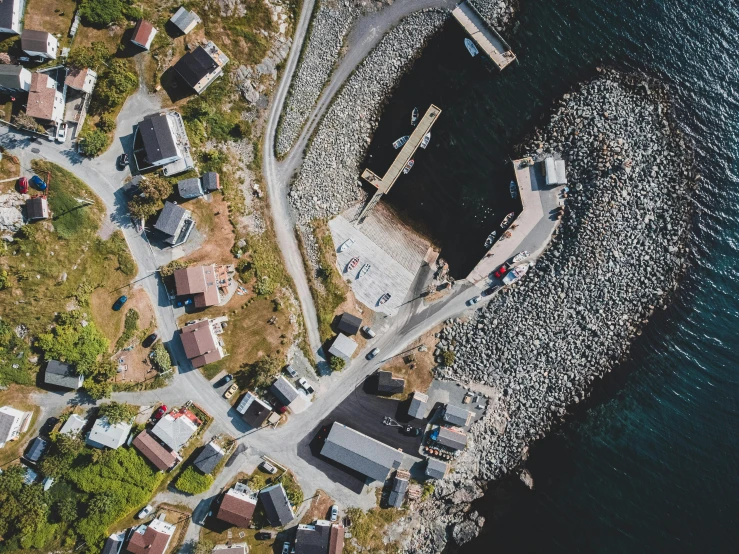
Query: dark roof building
pixel 175 222
pixel 349 324
pixel 184 20
pixel 210 181
pixel 276 505
pixel 10 16
pixel 158 139
pixel 457 416
pixel 190 188
pixel 417 407
pixel 36 450
pixel 237 506
pixel 451 438
pixel 201 67
pixel 284 391
pixel 37 208
pixel 361 453
pixel 387 384
pixel 159 455
pixel 436 469
pixel 399 488
pixel 62 375
pixel 209 458
pixel 114 543
pixel 143 33
pixel 14 77
pixel 253 410
pixel 314 538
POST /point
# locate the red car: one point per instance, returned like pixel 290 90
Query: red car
pixel 23 185
pixel 502 270
pixel 161 410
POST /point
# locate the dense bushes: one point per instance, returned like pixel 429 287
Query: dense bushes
pixel 191 481
pixel 161 358
pixel 101 13
pixel 75 343
pixel 155 191
pixel 93 142
pixel 116 412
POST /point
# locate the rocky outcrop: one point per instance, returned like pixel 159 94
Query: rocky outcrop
pixel 498 13
pixel 615 258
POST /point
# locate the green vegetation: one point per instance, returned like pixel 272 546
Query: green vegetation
pixel 74 343
pixel 292 489
pixel 336 363
pixel 428 490
pixel 259 374
pixel 156 190
pixel 368 530
pixel 191 481
pixel 262 264
pixel 169 269
pixel 205 117
pixel 102 13
pixel 130 326
pixel 447 358
pixel 117 412
pixel 161 358
pixel 93 142
pixel 14 364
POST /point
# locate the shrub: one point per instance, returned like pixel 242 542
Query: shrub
pixel 447 358
pixel 72 343
pixel 106 122
pixel 192 482
pixel 101 13
pixel 93 143
pixel 169 269
pixel 161 358
pixel 116 412
pixel 336 363
pixel 4 280
pixel 130 326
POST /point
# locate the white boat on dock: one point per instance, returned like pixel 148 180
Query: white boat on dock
pixel 346 244
pixel 507 220
pixel 426 140
pixel 414 117
pixel 400 142
pixel 521 256
pixel 408 167
pixel 491 239
pixel 471 48
pixel 364 270
pixel 515 274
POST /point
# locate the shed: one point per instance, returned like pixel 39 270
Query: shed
pixel 184 20
pixel 436 469
pixel 104 434
pixel 388 384
pixel 457 416
pixel 550 171
pixel 418 405
pixel 343 347
pixel 189 188
pixel 399 488
pixel 452 438
pixel 561 172
pixel 74 425
pixel 62 375
pixel 210 181
pixel 349 324
pixel 209 458
pixel 37 208
pixel 36 450
pixel 143 34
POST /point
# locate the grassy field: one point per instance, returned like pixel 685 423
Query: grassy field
pixel 52 16
pixel 368 529
pixel 17 397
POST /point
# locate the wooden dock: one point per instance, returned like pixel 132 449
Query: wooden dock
pixel 486 38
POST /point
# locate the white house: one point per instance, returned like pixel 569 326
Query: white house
pixel 45 102
pixel 39 43
pixel 14 77
pixel 12 423
pixel 10 16
pixel 103 434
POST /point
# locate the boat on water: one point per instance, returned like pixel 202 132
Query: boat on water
pixel 352 263
pixel 385 297
pixel 400 142
pixel 520 256
pixel 408 167
pixel 426 140
pixel 515 274
pixel 491 239
pixel 471 48
pixel 514 190
pixel 364 270
pixel 507 220
pixel 414 116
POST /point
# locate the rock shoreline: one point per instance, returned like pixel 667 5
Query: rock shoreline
pixel 616 257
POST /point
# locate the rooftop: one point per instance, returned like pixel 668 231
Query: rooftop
pixel 61 374
pixel 143 33
pixel 276 505
pixel 184 20
pixel 436 469
pixel 209 457
pixel 158 138
pixel 103 434
pixel 162 457
pixel 417 407
pixel 360 452
pixel 200 281
pixel 387 384
pixel 200 343
pixel 253 410
pixel 452 438
pixel 73 425
pixel 343 347
pixel 313 539
pixel 151 538
pixel 175 429
pixel 41 97
pixel 237 508
pixel 349 324
pixel 456 415
pixel 35 41
pixel 399 488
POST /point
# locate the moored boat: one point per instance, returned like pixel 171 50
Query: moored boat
pixel 507 220
pixel 408 167
pixel 364 270
pixel 491 239
pixel 346 244
pixel 471 48
pixel 414 116
pixel 385 297
pixel 515 274
pixel 514 189
pixel 352 263
pixel 520 256
pixel 426 140
pixel 400 142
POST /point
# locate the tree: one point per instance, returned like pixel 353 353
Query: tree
pixel 4 280
pixel 101 13
pixel 336 363
pixel 116 412
pixel 116 84
pixel 169 269
pixel 141 208
pixel 93 143
pixel 24 120
pixel 260 373
pixel 192 482
pixel 203 546
pixel 106 122
pixel 156 188
pixel 66 509
pixel 75 344
pixel 97 390
pixel 95 56
pixel 161 358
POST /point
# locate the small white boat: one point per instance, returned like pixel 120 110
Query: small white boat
pixel 400 142
pixel 521 256
pixel 385 297
pixel 507 220
pixel 364 270
pixel 514 190
pixel 471 48
pixel 491 239
pixel 346 244
pixel 515 274
pixel 426 140
pixel 414 116
pixel 408 167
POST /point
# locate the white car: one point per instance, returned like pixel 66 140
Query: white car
pixel 291 372
pixel 474 300
pixel 61 132
pixel 269 468
pixel 145 512
pixel 367 330
pixel 334 512
pixel 303 383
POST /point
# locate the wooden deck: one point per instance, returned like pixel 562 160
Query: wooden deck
pixel 484 36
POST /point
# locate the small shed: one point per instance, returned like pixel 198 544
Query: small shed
pixel 37 208
pixel 184 20
pixel 451 438
pixel 349 324
pixel 210 181
pixel 73 425
pixel 457 416
pixel 436 469
pixel 417 407
pixel 388 384
pixel 36 450
pixel 190 188
pixel 343 347
pixel 209 458
pixel 399 488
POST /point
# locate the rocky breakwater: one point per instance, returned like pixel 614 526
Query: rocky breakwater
pixel 616 256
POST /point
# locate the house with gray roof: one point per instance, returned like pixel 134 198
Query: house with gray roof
pixel 314 538
pixel 11 13
pixel 200 67
pixel 12 423
pixel 209 457
pixel 36 450
pixel 73 425
pixel 418 405
pixel 106 435
pixel 184 20
pixel 175 223
pixel 388 384
pixel 436 469
pixel 457 416
pixel 287 395
pixel 343 347
pixel 276 506
pixel 160 141
pixel 63 375
pixel 452 438
pixel 14 78
pixel 176 428
pixel 230 549
pixel 114 543
pixel 361 453
pixel 349 324
pixel 190 188
pixel 39 43
pixel 401 480
pixel 210 181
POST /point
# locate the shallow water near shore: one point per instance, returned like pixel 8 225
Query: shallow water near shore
pixel 650 465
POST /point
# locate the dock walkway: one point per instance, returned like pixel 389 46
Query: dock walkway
pixel 486 37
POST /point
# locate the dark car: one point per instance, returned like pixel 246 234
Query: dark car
pixel 38 182
pixel 161 410
pixel 148 341
pixel 119 303
pixel 412 431
pixel 502 270
pixel 488 291
pixel 122 161
pixel 263 536
pixel 23 185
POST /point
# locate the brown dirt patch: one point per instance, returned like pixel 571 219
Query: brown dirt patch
pixel 52 16
pixel 111 36
pixel 319 507
pixel 17 396
pixel 414 366
pixel 111 322
pixel 212 220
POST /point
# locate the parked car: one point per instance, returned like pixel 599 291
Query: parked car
pixel 488 291
pixel 303 383
pixel 231 391
pixel 123 161
pixel 412 431
pixel 61 132
pixel 291 372
pixel 474 300
pixel 334 512
pixel 228 378
pixel 269 468
pixel 160 411
pixel 119 303
pixel 375 352
pixel 38 182
pixel 263 536
pixel 286 548
pixel 367 330
pixel 148 341
pixel 502 270
pixel 145 512
pixel 23 185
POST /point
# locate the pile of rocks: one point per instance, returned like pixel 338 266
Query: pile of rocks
pixel 618 253
pixel 330 25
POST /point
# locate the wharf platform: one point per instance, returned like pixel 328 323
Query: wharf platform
pixel 485 36
pixel 533 228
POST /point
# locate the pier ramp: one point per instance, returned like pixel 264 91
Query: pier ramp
pixel 486 38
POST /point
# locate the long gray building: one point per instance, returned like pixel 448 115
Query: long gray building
pixel 361 453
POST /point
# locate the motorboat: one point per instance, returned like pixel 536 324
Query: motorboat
pixel 414 116
pixel 515 274
pixel 352 263
pixel 514 190
pixel 346 244
pixel 521 256
pixel 507 220
pixel 364 270
pixel 400 142
pixel 408 167
pixel 491 239
pixel 426 140
pixel 471 48
pixel 385 297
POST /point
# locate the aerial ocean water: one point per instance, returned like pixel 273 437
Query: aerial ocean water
pixel 650 463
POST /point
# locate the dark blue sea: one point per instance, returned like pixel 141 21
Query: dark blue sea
pixel 651 464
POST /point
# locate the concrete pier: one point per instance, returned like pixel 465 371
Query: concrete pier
pixel 486 38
